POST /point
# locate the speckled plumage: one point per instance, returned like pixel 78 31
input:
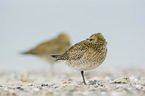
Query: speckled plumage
pixel 87 54
pixel 55 46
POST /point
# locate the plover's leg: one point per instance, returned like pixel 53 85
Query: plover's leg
pixel 82 73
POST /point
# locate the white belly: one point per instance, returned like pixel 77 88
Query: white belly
pixel 82 65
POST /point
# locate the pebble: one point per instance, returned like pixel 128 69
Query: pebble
pixel 42 84
pixel 19 88
pixel 92 82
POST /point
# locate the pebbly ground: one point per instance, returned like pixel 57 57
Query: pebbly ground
pixel 106 82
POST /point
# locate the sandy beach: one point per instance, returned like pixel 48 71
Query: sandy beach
pixel 108 82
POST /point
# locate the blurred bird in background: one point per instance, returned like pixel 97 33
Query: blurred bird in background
pixel 85 55
pixel 55 46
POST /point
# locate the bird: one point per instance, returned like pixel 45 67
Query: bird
pixel 45 49
pixel 85 55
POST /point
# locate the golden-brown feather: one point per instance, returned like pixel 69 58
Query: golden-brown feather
pixel 55 46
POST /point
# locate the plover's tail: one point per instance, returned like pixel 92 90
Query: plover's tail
pixel 27 52
pixel 32 51
pixel 24 53
pixel 58 57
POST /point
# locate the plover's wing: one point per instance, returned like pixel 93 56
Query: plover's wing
pixel 45 47
pixel 74 53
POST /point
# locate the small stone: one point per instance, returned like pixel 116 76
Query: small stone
pixel 56 87
pixel 118 82
pixel 101 85
pixel 95 86
pixel 126 78
pixel 43 84
pixel 95 80
pixel 18 87
pixel 13 94
pixel 66 82
pixel 92 82
pixel 30 85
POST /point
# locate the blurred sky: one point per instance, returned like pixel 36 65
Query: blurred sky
pixel 26 23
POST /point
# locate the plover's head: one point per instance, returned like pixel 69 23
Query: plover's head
pixel 64 38
pixel 98 37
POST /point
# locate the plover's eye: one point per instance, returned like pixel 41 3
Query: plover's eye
pixel 91 39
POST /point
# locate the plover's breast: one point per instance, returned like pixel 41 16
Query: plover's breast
pixel 89 60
